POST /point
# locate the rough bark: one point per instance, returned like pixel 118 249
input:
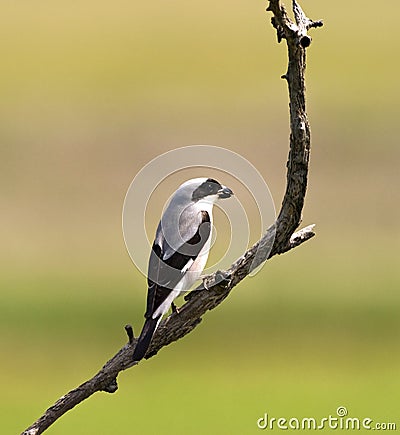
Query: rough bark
pixel 279 238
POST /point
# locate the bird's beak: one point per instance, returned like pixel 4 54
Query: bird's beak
pixel 225 192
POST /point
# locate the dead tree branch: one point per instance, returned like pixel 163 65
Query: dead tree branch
pixel 280 237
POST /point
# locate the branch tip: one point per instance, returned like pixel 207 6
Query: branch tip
pixel 315 24
pixel 302 236
pixel 130 334
pixel 222 279
pixel 280 33
pixel 286 28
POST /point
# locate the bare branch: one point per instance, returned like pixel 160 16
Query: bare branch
pixel 280 237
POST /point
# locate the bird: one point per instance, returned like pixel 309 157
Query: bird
pixel 180 250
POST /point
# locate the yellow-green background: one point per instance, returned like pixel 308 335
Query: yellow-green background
pixel 90 92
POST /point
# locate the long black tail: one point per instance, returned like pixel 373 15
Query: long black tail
pixel 144 340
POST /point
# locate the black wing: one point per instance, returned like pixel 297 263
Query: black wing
pixel 164 275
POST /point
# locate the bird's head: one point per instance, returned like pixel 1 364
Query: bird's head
pixel 207 189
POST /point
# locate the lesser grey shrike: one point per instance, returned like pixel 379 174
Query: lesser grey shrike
pixel 180 250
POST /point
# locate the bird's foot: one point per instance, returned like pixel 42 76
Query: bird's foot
pixel 174 308
pixel 220 278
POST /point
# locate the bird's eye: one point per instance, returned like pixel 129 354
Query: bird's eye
pixel 211 187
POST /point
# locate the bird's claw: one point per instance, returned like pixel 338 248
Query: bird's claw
pixel 220 278
pixel 174 308
pixel 207 282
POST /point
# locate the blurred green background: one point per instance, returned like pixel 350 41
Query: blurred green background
pixel 90 92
